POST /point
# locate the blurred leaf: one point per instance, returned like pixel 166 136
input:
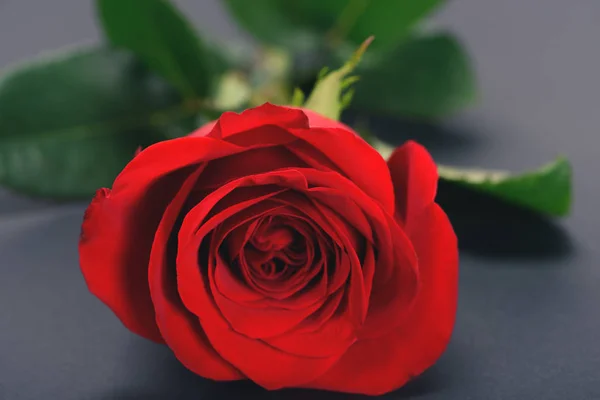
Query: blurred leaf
pixel 70 123
pixel 426 77
pixel 269 22
pixel 233 93
pixel 231 56
pixel 272 64
pixel 270 77
pixel 546 190
pixel 160 35
pixel 298 98
pixel 354 20
pixel 327 97
pixel 302 24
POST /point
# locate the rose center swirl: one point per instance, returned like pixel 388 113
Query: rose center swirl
pixel 277 254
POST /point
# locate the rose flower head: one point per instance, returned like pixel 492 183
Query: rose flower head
pixel 277 245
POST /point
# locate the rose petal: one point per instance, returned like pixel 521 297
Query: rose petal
pixel 234 289
pixel 231 199
pixel 333 338
pixel 165 157
pixel 316 120
pixel 204 130
pixel 395 285
pixel 231 123
pixel 114 253
pixel 323 314
pixel 415 178
pixel 178 326
pixel 377 366
pixel 344 207
pixel 396 261
pixel 250 162
pixel 234 229
pixel 257 322
pixel 277 124
pixel 347 261
pixel 265 365
pixel 294 277
pixel 370 173
pixel 314 280
pixel 251 322
pixel 115 246
pixel 262 136
pixel 310 212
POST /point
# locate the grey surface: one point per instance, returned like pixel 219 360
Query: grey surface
pixel 528 325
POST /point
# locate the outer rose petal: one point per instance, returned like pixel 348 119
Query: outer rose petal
pixel 203 130
pixel 377 366
pixel 415 178
pixel 117 234
pixel 371 174
pixel 231 123
pixel 179 327
pixel 325 135
pixel 114 253
pixel 315 120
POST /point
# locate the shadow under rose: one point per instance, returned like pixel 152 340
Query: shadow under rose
pixel 159 375
pixel 488 226
pixel 484 225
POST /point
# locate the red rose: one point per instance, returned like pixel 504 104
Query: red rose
pixel 277 245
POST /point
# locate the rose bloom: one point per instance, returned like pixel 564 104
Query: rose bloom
pixel 276 245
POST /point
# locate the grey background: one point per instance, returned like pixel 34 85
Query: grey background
pixel 528 324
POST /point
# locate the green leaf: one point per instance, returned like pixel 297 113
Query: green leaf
pixel 70 123
pixel 270 77
pixel 546 190
pixel 302 24
pixel 269 22
pixel 233 93
pixel 229 56
pixel 159 34
pixel 327 97
pixel 426 77
pixel 353 20
pixel 298 98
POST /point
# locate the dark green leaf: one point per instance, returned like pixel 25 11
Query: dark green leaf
pixel 426 77
pixel 159 34
pixel 70 123
pixel 300 24
pixel 269 22
pixel 546 190
pixel 231 56
pixel 355 20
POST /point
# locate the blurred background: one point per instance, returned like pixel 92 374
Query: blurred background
pixel 527 325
